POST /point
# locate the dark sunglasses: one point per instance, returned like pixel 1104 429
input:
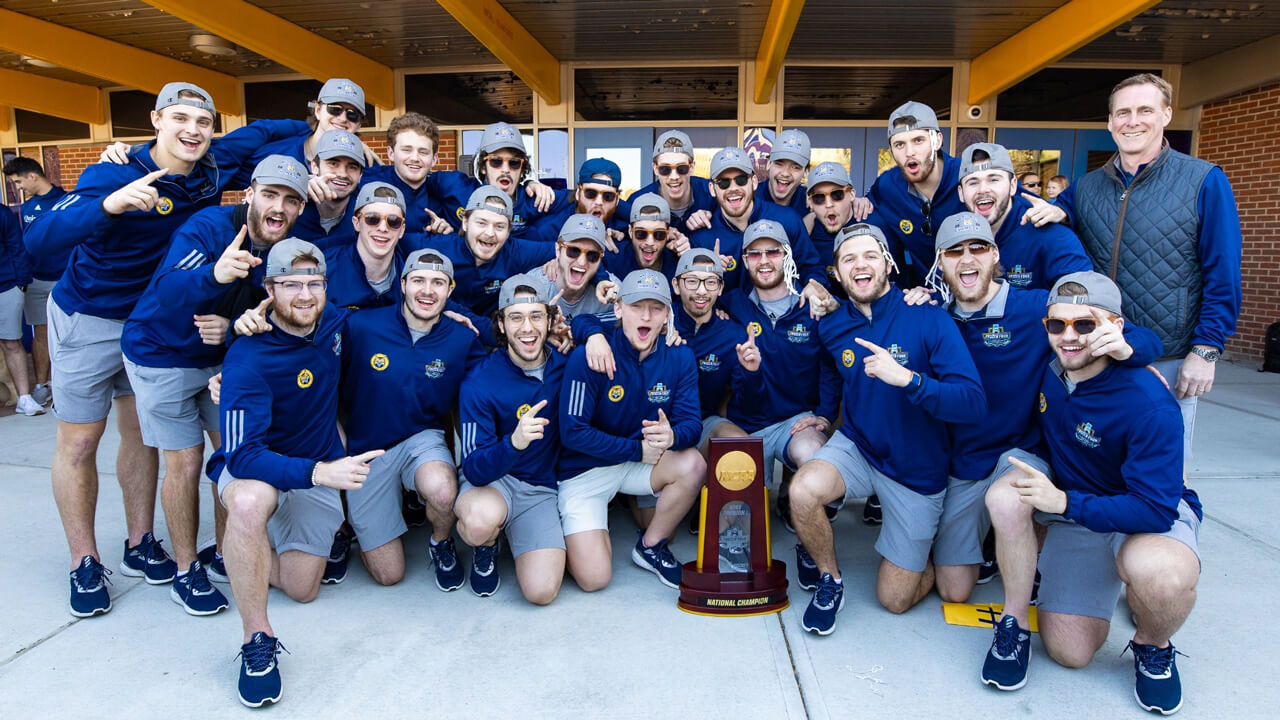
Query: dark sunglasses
pixel 665 170
pixel 1030 184
pixel 820 198
pixel 591 193
pixel 976 249
pixel 642 234
pixel 1082 326
pixel 373 219
pixel 354 116
pixel 739 180
pixel 573 252
pixel 926 208
pixel 514 163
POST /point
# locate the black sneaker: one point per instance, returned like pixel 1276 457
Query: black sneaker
pixel 782 506
pixel 193 591
pixel 987 571
pixel 871 512
pixel 413 509
pixel 484 570
pixel 658 560
pixel 335 570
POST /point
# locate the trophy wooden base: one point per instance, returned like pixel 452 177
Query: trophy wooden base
pixel 734 594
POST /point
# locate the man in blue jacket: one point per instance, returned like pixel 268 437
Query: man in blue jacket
pixel 650 237
pixel 412 142
pixel 907 373
pixel 15 277
pixel 365 273
pixel 510 445
pixel 688 195
pixel 282 463
pixel 788 161
pixel 597 193
pixel 336 168
pixel 1118 513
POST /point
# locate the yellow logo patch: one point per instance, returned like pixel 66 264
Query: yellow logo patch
pixel 906 226
pixel 460 212
pixel 616 393
pixel 846 357
pixel 755 329
pixel 520 411
pixel 164 206
pixel 1043 405
pixel 379 362
pixel 733 264
pixel 305 378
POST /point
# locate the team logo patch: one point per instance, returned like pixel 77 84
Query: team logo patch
pixel 379 362
pixel 710 363
pixel 461 212
pixel 831 272
pixel 905 226
pixel 435 368
pixel 733 264
pixel 520 411
pixel 493 287
pixel 164 206
pixel 996 337
pixel 616 393
pixel 305 378
pixel 1043 405
pixel 659 394
pixel 897 353
pixel 846 357
pixel 1086 436
pixel 755 329
pixel 1019 276
pixel 337 343
pixel 798 333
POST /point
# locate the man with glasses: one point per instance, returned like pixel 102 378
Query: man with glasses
pixel 1030 182
pixel 649 239
pixel 598 193
pixel 574 277
pixel 688 196
pixel 336 171
pixel 834 205
pixel 365 273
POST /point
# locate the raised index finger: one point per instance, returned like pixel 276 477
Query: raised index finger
pixel 869 345
pixel 1034 198
pixel 151 177
pixel 536 408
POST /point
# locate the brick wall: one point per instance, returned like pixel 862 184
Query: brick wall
pixel 1242 135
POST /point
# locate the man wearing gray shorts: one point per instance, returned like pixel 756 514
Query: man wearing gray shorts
pixel 1118 512
pixel 15 279
pixel 510 446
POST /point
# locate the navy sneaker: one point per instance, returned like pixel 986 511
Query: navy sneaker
pixel 149 561
pixel 484 570
pixel 214 567
pixel 89 595
pixel 448 572
pixel 820 616
pixel 1035 591
pixel 807 575
pixel 988 571
pixel 196 594
pixel 872 514
pixel 412 508
pixel 658 560
pixel 1006 663
pixel 1157 685
pixel 260 682
pixel 335 570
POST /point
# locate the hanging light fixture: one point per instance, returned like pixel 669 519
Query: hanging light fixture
pixel 211 44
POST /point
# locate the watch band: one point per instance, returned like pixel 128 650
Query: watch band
pixel 1209 354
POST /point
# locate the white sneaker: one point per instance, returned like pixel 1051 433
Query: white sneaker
pixel 28 406
pixel 42 394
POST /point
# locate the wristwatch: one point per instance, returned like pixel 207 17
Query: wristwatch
pixel 1209 354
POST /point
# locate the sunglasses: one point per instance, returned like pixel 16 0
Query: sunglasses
pixel 642 234
pixel 771 253
pixel 572 252
pixel 820 198
pixel 354 116
pixel 1031 184
pixel 373 219
pixel 665 170
pixel 926 209
pixel 739 180
pixel 976 249
pixel 1082 326
pixel 591 193
pixel 514 163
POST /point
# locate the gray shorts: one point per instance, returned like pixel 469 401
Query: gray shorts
pixel 533 516
pixel 11 302
pixel 304 520
pixel 88 368
pixel 708 423
pixel 777 437
pixel 174 406
pixel 1169 370
pixel 36 308
pixel 374 509
pixel 965 521
pixel 910 519
pixel 1078 565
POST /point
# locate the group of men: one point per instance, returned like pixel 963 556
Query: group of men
pixel 370 346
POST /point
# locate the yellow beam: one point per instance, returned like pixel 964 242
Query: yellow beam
pixel 1046 41
pixel 111 60
pixel 59 98
pixel 6 118
pixel 778 29
pixel 273 37
pixel 493 26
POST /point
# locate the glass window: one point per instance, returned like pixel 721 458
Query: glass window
pixel 553 158
pixel 476 98
pixel 37 127
pixel 286 99
pixel 1062 95
pixel 656 94
pixel 862 93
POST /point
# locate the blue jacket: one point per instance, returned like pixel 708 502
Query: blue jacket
pixel 392 387
pixel 1115 443
pixel 492 400
pixel 714 347
pixel 15 265
pixel 546 229
pixel 799 201
pixel 624 261
pixel 452 188
pixel 49 266
pixel 308 228
pixel 701 199
pixel 348 286
pixel 1035 257
pixel 808 264
pixel 476 286
pixel 795 374
pixel 280 404
pixel 417 200
pixel 283 137
pixel 600 419
pixel 900 213
pixel 902 431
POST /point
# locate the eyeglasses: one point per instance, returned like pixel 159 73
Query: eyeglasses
pixel 373 219
pixel 354 116
pixel 976 249
pixel 573 252
pixel 691 284
pixel 820 198
pixel 665 170
pixel 771 253
pixel 1031 184
pixel 739 180
pixel 294 287
pixel 1082 326
pixel 514 163
pixel 591 193
pixel 642 234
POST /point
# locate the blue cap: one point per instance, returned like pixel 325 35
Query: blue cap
pixel 600 166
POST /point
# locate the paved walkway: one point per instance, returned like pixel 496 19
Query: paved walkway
pixel 625 652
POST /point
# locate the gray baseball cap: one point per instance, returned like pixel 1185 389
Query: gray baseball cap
pixel 501 135
pixel 912 116
pixel 285 253
pixel 962 227
pixel 645 285
pixel 791 145
pixel 380 192
pixel 673 141
pixel 650 206
pixel 997 158
pixel 507 293
pixel 699 256
pixel 487 197
pixel 427 259
pixel 829 172
pixel 342 90
pixel 284 171
pixel 1100 291
pixel 582 226
pixel 169 96
pixel 340 143
pixel 764 230
pixel 859 230
pixel 730 158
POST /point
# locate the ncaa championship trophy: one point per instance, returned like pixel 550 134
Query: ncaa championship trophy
pixel 735 573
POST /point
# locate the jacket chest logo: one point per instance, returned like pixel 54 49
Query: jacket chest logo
pixel 755 329
pixel 435 369
pixel 846 357
pixel 710 363
pixel 1043 404
pixel 659 394
pixel 1086 436
pixel 379 362
pixel 1019 276
pixel 305 378
pixel 337 343
pixel 615 393
pixel 905 226
pixel 164 206
pixel 799 333
pixel 996 337
pixel 492 287
pixel 897 353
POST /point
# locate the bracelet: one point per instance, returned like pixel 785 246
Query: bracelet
pixel 314 469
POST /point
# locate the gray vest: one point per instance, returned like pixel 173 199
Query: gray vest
pixel 1154 258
